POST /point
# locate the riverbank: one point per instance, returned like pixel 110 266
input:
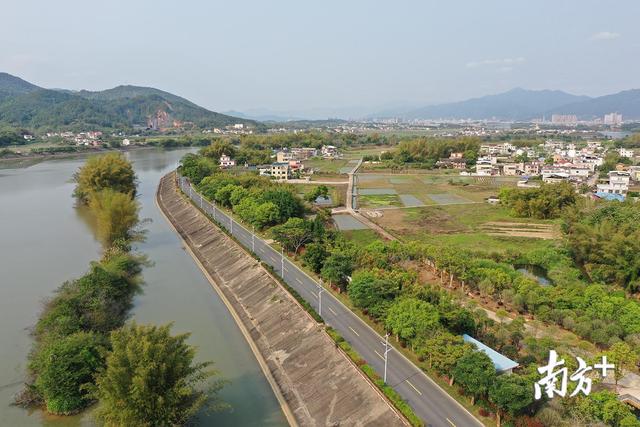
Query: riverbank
pixel 71 154
pixel 318 383
pixel 175 290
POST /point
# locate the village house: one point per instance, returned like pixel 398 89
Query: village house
pixel 277 170
pixel 284 156
pixel 329 151
pixel 618 183
pixel 226 161
pixel 303 153
pixel 626 152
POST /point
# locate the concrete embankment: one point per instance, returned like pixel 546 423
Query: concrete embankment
pixel 315 382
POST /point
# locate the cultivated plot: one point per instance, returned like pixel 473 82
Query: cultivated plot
pixel 448 199
pixel 409 200
pixel 376 191
pixel 347 222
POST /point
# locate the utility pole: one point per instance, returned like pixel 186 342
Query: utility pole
pixel 320 291
pixel 282 262
pixel 387 349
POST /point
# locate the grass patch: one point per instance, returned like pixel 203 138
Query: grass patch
pixel 361 237
pixel 321 165
pixel 379 200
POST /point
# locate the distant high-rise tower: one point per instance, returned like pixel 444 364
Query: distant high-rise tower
pixel 564 119
pixel 613 119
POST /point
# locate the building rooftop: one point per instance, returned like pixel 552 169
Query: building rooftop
pixel 502 363
pixel 610 196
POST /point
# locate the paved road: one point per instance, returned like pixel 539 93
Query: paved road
pixel 428 400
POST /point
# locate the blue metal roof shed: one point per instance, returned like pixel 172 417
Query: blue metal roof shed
pixel 502 363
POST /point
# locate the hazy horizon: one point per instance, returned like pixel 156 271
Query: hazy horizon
pixel 292 57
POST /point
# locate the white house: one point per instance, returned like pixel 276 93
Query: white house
pixel 626 152
pixel 126 142
pixel 329 151
pixel 618 183
pixel 226 161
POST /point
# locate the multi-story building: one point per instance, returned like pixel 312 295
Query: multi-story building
pixel 284 156
pixel 564 119
pixel 613 119
pixel 226 161
pixel 280 170
pixel 303 153
pixel 626 152
pixel 618 183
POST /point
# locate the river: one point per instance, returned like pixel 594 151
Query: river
pixel 45 240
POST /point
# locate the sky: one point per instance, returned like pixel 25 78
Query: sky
pixel 344 57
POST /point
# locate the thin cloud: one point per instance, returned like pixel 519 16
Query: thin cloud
pixel 605 35
pixel 501 63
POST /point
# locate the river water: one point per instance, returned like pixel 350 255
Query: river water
pixel 45 240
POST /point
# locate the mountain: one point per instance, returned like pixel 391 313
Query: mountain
pixel 626 103
pixel 516 104
pixel 23 104
pixel 12 86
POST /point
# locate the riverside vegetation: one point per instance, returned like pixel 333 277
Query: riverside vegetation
pixel 384 281
pixel 83 351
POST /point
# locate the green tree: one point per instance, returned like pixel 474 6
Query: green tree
pixel 293 234
pixel 319 191
pixel 475 372
pixel 217 148
pixel 116 216
pixel 65 367
pixel 314 255
pixel 443 350
pixel 373 291
pixel 511 394
pixel 337 267
pixel 109 171
pixel 623 357
pixel 412 319
pixel 151 379
pixel 288 203
pixel 196 168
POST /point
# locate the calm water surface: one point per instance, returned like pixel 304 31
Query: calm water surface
pixel 44 240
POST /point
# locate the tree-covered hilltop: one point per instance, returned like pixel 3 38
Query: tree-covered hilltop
pixel 12 85
pixel 25 105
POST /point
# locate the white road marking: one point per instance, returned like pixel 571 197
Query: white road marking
pixel 297 280
pixel 331 310
pixel 379 355
pixel 354 331
pixel 451 422
pixel 414 387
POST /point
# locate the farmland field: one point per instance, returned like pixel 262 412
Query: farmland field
pixel 450 210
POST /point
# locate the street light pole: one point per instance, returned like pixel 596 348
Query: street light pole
pixel 387 349
pixel 320 291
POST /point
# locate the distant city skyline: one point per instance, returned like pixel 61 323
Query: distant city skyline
pixel 349 57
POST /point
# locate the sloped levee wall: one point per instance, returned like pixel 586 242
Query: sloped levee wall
pixel 315 382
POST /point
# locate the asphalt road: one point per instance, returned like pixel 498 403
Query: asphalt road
pixel 428 400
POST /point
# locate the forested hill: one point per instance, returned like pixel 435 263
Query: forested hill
pixel 12 86
pixel 25 105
